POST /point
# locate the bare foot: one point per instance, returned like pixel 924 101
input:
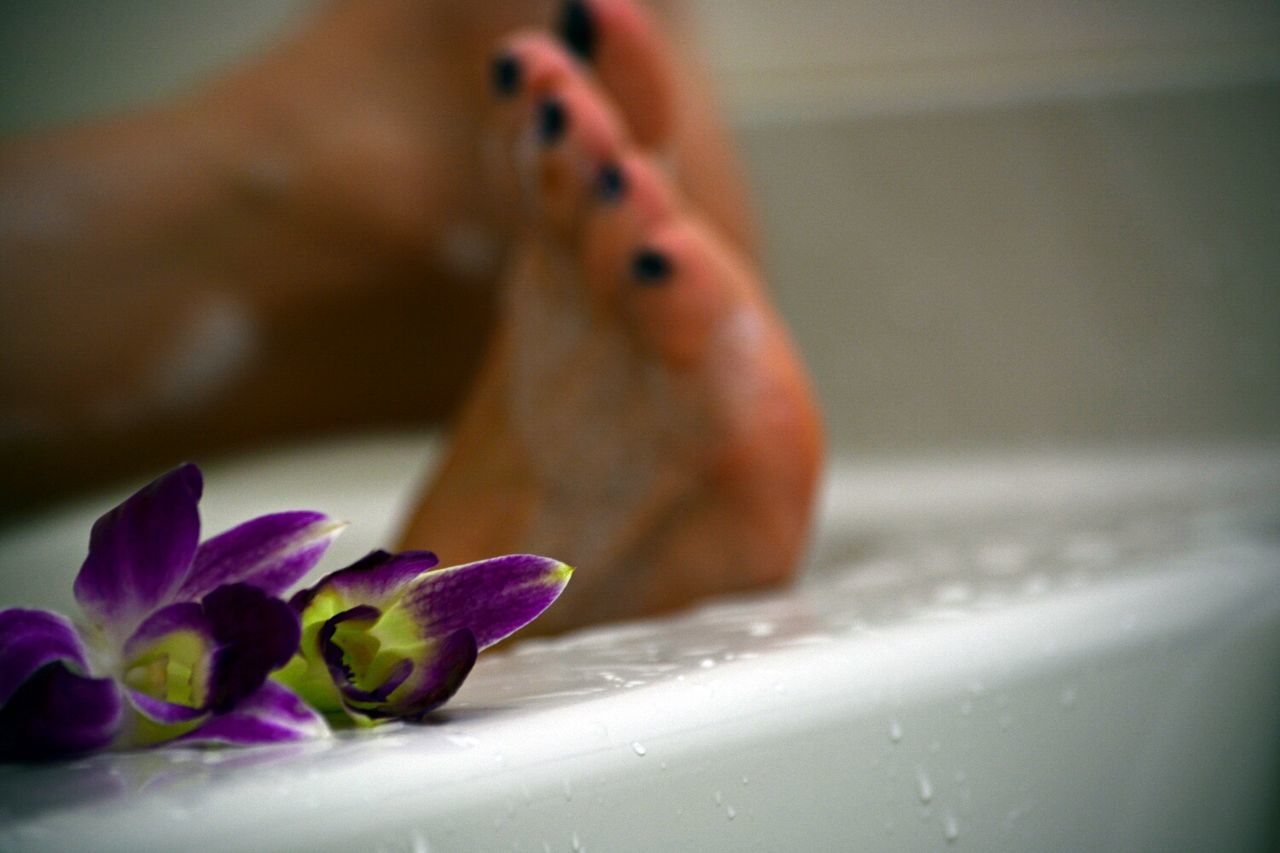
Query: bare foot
pixel 642 414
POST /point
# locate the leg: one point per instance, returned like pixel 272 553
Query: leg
pixel 256 261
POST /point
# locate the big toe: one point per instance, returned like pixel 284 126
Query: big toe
pixel 624 47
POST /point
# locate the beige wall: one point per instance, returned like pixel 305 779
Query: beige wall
pixel 989 223
pixel 1043 222
pixel 1075 272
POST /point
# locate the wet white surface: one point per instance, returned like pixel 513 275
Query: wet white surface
pixel 1050 653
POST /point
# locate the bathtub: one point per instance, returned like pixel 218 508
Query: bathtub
pixel 1053 651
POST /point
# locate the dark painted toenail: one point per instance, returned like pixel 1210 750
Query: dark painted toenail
pixel 578 29
pixel 650 266
pixel 611 185
pixel 552 121
pixel 507 75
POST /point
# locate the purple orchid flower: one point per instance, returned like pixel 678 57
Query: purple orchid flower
pixel 393 637
pixel 179 636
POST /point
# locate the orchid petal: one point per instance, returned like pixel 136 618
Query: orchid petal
pixel 56 713
pixel 273 714
pixel 399 674
pixel 334 655
pixel 376 580
pixel 491 598
pixel 186 617
pixel 271 552
pixel 162 711
pixel 360 667
pixel 396 638
pixel 438 672
pixel 31 639
pixel 169 664
pixel 435 683
pixel 256 634
pixel 139 552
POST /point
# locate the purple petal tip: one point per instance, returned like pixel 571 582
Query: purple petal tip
pixel 271 552
pixel 140 551
pixel 30 640
pixel 492 598
pixel 273 714
pixel 58 714
pixel 256 635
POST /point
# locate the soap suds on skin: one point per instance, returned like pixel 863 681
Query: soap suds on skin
pixel 213 350
pixel 470 250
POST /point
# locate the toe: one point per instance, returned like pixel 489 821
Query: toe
pixel 673 278
pixel 632 198
pixel 658 267
pixel 558 133
pixel 623 46
pixel 577 137
pixel 524 69
pixel 525 65
pixel 678 290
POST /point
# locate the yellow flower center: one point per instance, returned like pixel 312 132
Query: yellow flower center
pixel 173 669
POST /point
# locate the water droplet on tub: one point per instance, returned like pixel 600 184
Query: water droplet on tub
pixel 575 842
pixel 895 730
pixel 731 812
pixel 707 663
pixel 638 747
pixel 746 781
pixel 953 593
pixel 924 786
pixel 950 829
pixel 662 764
pixel 719 798
pixel 761 629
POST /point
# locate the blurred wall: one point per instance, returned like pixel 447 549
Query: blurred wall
pixel 990 224
pixel 64 59
pixel 1043 222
